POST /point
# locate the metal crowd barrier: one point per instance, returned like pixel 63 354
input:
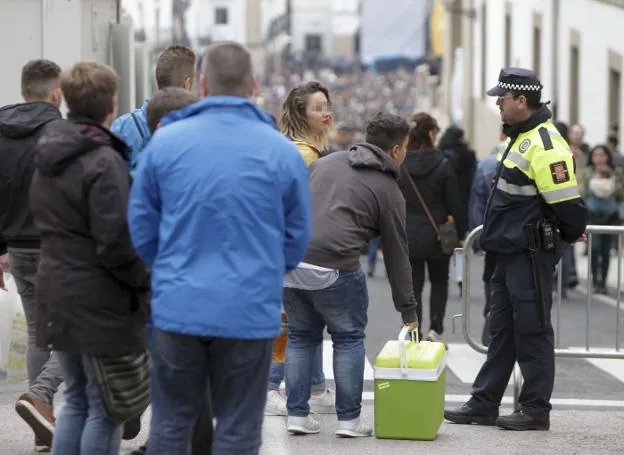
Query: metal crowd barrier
pixel 559 352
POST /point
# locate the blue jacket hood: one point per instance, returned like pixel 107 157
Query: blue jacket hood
pixel 212 102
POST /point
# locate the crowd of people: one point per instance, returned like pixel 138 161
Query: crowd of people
pixel 356 96
pixel 600 174
pixel 193 229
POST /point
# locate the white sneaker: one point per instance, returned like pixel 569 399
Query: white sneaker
pixel 275 404
pixel 324 403
pixel 302 425
pixel 355 428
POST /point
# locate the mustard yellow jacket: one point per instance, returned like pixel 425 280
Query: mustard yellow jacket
pixel 308 151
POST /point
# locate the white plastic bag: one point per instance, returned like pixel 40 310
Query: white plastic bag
pixel 13 333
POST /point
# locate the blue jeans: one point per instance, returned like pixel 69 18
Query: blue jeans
pixel 342 307
pixel 82 427
pixel 237 371
pixel 373 246
pixel 276 374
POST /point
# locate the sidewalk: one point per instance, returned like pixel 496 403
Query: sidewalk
pixel 572 432
pixel 582 269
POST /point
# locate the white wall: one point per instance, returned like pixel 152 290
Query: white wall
pixel 32 29
pixel 235 29
pixel 159 12
pixel 598 35
pixel 312 17
pixel 597 23
pixel 521 38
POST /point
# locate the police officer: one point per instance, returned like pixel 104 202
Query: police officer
pixel 534 209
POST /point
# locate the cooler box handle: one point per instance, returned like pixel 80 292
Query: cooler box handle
pixel 402 351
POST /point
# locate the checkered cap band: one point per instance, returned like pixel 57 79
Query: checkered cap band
pixel 519 87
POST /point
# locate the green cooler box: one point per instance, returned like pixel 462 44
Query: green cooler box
pixel 410 383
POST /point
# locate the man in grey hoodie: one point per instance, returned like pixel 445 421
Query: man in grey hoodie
pixel 355 198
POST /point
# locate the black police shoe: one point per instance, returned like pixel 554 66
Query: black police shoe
pixel 469 413
pixel 521 421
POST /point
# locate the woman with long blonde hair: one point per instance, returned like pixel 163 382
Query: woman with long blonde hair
pixel 305 119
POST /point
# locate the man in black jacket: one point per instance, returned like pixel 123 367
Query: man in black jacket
pixel 20 127
pixel 91 285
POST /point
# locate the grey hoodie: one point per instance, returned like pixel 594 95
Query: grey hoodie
pixel 355 198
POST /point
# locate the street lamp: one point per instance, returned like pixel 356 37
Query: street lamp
pixel 451 8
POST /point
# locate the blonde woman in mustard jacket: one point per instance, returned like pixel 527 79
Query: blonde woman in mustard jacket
pixel 305 119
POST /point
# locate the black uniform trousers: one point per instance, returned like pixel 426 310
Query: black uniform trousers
pixel 517 335
pixel 488 271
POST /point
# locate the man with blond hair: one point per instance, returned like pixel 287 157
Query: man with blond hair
pixel 175 68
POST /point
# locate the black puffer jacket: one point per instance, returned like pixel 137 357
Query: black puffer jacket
pixel 91 286
pixel 436 181
pixel 20 127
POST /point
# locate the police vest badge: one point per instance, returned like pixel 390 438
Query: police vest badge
pixel 559 172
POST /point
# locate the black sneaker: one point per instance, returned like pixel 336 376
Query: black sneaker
pixel 131 429
pixel 600 289
pixel 468 414
pixel 521 421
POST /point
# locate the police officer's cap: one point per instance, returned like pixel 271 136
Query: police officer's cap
pixel 516 80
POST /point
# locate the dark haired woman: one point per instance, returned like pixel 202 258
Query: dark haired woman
pixel 436 181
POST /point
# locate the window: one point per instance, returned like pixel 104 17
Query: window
pixel 221 16
pixel 574 84
pixel 615 78
pixel 313 43
pixel 537 49
pixel 507 40
pixel 483 49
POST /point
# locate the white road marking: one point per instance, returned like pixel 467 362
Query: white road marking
pixel 464 362
pixel 614 367
pixel 508 401
pixel 328 363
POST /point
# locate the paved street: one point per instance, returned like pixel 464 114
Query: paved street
pixel 588 399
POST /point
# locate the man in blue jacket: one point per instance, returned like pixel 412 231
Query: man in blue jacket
pixel 219 211
pixel 175 68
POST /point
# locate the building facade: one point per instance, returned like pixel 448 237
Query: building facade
pixel 310 30
pixel 32 29
pixel 570 44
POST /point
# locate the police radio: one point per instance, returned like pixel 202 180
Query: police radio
pixel 549 235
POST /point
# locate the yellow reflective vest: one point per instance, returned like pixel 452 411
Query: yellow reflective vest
pixel 537 181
